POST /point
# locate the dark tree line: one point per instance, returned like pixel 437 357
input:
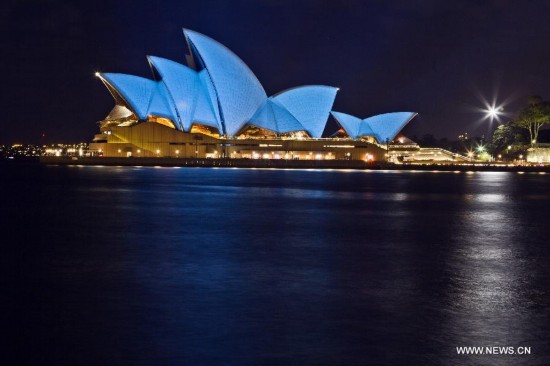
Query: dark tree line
pixel 533 116
pixel 524 130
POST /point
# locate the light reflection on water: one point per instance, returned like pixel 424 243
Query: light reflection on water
pixel 237 266
pixel 491 281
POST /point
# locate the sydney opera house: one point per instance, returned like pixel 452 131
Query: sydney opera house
pixel 215 107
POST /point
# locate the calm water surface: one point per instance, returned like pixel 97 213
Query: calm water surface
pixel 154 266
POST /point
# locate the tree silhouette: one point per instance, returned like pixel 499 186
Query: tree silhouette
pixel 533 116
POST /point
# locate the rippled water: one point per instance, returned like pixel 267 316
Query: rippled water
pixel 273 267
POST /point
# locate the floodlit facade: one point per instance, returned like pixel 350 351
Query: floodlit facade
pixel 215 107
pixel 540 153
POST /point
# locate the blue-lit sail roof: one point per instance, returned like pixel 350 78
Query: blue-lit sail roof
pixel 161 104
pixel 348 122
pixel 365 130
pixel 384 127
pixel 239 93
pixel 143 96
pixel 206 109
pixel 183 86
pixel 310 105
pixel 217 89
pixel 274 117
pixel 264 117
pixel 135 90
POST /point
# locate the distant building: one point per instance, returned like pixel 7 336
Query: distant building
pixel 463 136
pixel 404 150
pixel 539 154
pixel 216 107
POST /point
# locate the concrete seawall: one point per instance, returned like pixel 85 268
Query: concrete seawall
pixel 192 162
pixel 285 164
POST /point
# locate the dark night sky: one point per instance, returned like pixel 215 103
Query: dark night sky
pixel 439 58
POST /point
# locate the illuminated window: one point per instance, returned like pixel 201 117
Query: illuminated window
pixel 163 121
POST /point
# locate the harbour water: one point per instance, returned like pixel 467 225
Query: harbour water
pixel 204 266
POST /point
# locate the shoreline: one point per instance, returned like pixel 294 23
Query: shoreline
pixel 281 164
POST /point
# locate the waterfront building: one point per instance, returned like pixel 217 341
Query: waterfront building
pixel 539 153
pixel 215 107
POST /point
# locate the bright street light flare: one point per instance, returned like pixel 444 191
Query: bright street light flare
pixel 494 112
